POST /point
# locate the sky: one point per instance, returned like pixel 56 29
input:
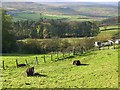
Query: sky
pixel 60 0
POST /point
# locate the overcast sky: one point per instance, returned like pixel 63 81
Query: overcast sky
pixel 60 0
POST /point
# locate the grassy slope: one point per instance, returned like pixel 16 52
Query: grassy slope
pixel 110 30
pixel 91 9
pixel 101 72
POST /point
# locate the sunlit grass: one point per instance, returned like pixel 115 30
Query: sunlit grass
pixel 101 71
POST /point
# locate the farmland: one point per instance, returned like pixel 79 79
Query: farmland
pixel 37 16
pixel 111 30
pixel 71 11
pixel 98 66
pixel 50 36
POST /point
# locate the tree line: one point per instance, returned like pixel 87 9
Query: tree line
pixel 54 28
pixel 35 46
pixel 43 28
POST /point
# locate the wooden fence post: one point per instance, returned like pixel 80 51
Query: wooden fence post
pixel 74 51
pixel 16 62
pixel 44 59
pixel 114 45
pixel 57 56
pixel 99 47
pixel 3 65
pixel 82 50
pixel 36 61
pixel 51 57
pixel 26 62
pixel 69 54
pixel 63 55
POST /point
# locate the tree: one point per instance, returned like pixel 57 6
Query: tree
pixel 33 33
pixel 8 39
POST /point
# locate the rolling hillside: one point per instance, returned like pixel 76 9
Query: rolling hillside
pixel 99 70
pixel 75 10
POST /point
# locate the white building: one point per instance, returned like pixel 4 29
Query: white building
pixel 117 41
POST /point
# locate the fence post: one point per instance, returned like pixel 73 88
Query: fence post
pixel 63 55
pixel 3 65
pixel 51 57
pixel 57 56
pixel 36 61
pixel 44 59
pixel 81 50
pixel 26 62
pixel 16 62
pixel 74 51
pixel 114 45
pixel 99 47
pixel 69 53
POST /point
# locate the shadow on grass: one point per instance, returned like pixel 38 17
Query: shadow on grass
pixel 17 54
pixel 83 65
pixel 70 57
pixel 64 58
pixel 88 54
pixel 39 75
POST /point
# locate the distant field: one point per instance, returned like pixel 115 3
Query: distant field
pixel 100 71
pixel 88 9
pixel 110 30
pixel 37 16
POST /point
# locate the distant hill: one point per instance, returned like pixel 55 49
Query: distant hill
pixel 101 10
pixel 98 9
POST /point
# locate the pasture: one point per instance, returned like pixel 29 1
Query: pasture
pixel 108 33
pixel 37 16
pixel 99 70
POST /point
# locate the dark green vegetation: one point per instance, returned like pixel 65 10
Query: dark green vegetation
pixel 54 28
pixel 8 39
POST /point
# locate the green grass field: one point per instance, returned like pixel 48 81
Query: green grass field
pixel 109 31
pixel 37 16
pixel 100 71
pixel 111 27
